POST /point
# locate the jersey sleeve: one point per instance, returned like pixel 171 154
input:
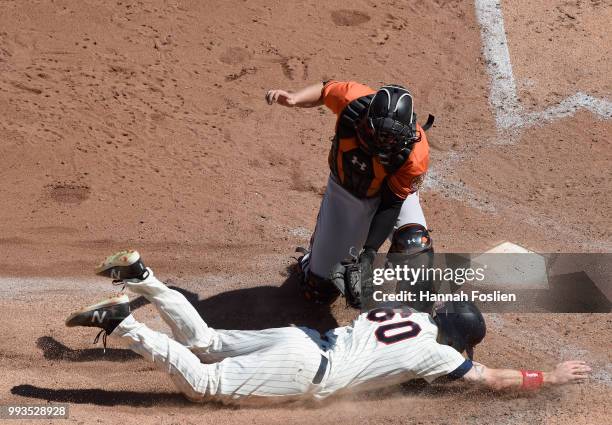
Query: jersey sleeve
pixel 409 177
pixel 441 360
pixel 338 94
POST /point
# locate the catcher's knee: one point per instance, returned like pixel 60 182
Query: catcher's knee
pixel 411 239
pixel 412 246
pixel 318 289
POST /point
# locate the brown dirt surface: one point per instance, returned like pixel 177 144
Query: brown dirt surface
pixel 143 124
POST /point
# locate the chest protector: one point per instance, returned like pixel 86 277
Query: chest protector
pixel 356 170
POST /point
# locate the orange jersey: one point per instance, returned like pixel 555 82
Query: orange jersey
pixel 357 171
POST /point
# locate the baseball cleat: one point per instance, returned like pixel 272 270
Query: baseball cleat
pixel 304 260
pixel 121 265
pixel 106 315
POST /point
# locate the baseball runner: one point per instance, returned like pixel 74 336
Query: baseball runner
pixel 380 348
pixel 378 159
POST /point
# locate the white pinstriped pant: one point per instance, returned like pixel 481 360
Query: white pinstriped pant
pixel 205 363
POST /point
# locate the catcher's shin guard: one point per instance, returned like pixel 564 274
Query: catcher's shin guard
pixel 319 290
pixel 412 246
pixel 314 288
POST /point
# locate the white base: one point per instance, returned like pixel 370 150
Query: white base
pixel 509 248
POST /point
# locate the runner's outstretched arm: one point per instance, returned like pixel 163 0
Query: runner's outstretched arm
pixel 498 379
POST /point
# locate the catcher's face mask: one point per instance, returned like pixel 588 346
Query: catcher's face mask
pixel 385 145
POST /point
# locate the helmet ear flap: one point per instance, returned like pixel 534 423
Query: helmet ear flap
pixel 461 325
pixel 448 334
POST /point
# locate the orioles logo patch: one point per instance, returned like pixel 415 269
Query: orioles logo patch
pixel 417 182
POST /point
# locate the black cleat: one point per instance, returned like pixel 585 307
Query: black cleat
pixel 106 315
pixel 122 265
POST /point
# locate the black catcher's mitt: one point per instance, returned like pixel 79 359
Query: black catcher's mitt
pixel 354 278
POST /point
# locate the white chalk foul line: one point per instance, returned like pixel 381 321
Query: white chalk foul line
pixel 509 113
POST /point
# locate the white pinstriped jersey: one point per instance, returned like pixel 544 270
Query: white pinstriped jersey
pixel 385 347
pixel 380 348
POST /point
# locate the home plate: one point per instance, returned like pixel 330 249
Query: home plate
pixel 508 248
pixel 509 265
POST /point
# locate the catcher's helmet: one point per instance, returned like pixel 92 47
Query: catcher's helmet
pixel 461 325
pixel 389 126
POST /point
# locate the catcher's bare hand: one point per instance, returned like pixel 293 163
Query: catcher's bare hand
pixel 281 97
pixel 570 371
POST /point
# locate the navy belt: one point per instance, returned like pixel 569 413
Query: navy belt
pixel 321 371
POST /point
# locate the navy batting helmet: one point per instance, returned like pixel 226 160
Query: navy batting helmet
pixel 461 325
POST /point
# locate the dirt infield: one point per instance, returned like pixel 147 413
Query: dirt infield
pixel 143 124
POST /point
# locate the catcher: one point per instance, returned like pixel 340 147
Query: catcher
pixel 378 159
pixel 380 348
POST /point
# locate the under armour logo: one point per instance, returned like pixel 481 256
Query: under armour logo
pixel 362 165
pixel 96 316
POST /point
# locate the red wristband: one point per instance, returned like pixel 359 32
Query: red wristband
pixel 532 379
